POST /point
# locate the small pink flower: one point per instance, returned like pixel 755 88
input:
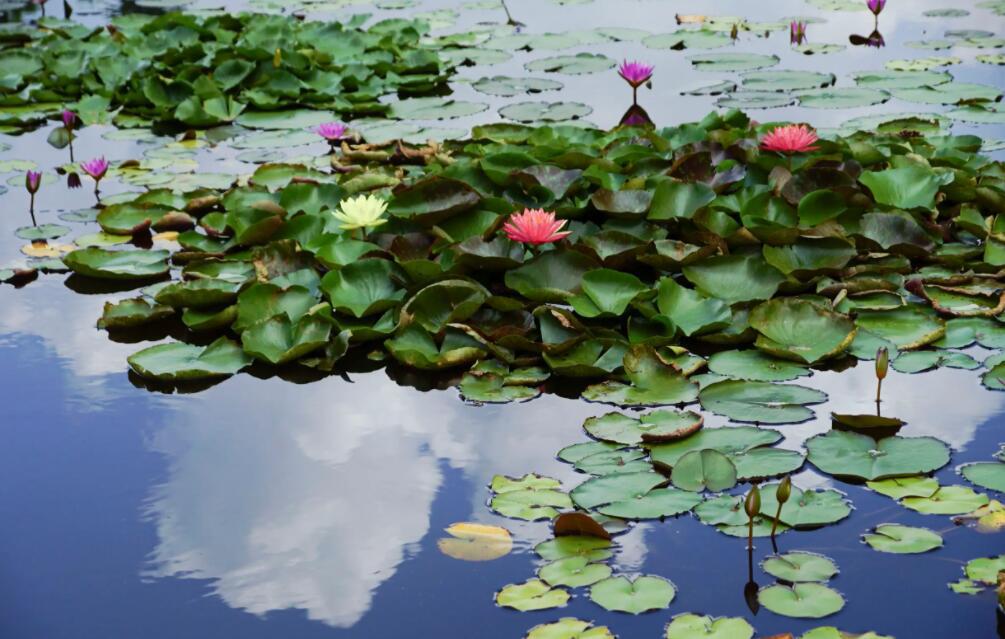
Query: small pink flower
pixel 96 168
pixel 535 226
pixel 69 119
pixel 791 138
pixel 876 6
pixel 797 32
pixel 635 73
pixel 32 180
pixel 331 131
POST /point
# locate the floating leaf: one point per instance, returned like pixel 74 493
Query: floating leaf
pixel 701 470
pixel 633 496
pixel 846 454
pixel 990 475
pixel 760 401
pixel 475 542
pixel 799 566
pixel 753 365
pixel 801 330
pixel 569 628
pixel 947 500
pixel 658 426
pixel 118 265
pixel 177 362
pixel 644 593
pixel 533 594
pixel 573 572
pixel 898 539
pixel 690 626
pixel 803 600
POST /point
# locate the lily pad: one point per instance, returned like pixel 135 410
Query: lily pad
pixel 947 500
pixel 569 628
pixel 634 596
pixel 894 538
pixel 802 600
pixel 633 496
pixel 118 265
pixel 754 365
pixel 990 475
pixel 760 401
pixel 573 572
pixel 533 594
pixel 178 362
pixel 701 470
pixel 801 330
pixel 846 454
pixel 658 426
pixel 799 566
pixel 732 61
pixel 691 626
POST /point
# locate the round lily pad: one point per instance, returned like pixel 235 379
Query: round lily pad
pixel 571 64
pixel 760 401
pixel 786 80
pixel 846 454
pixel 898 539
pixel 662 425
pixel 118 265
pixel 569 628
pixel 755 366
pixel 701 470
pixel 508 87
pixel 799 566
pixel 990 475
pixel 186 362
pixel 533 594
pixel 842 98
pixel 802 600
pixel 590 548
pixel 633 496
pixel 545 111
pixel 634 596
pixel 573 572
pixel 800 329
pixel 691 626
pixel 42 232
pixel 947 500
pixel 724 62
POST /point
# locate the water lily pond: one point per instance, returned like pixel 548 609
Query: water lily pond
pixel 567 319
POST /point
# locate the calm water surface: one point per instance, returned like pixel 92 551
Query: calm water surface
pixel 289 507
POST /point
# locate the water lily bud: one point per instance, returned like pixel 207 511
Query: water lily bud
pixel 752 504
pixel 784 490
pixel 882 362
pixel 32 180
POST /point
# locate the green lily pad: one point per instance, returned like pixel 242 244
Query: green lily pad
pixel 985 569
pixel 786 80
pixel 569 628
pixel 606 293
pixel 573 572
pixel 894 538
pixel 691 626
pixel 118 265
pixel 177 362
pixel 901 79
pixel 918 361
pixel 658 426
pixel 633 496
pixel 735 278
pixel 754 365
pixel 578 64
pixel 590 548
pixel 654 382
pixel 533 594
pixel 42 232
pixel 747 447
pixel 842 98
pixel 947 500
pixel 846 454
pixel 690 310
pixel 900 487
pixel 701 470
pixel 803 600
pixel 131 313
pixel 760 401
pixel 554 276
pixel 908 327
pixel 508 87
pixel 279 340
pixel 801 330
pixel 805 508
pixel 990 475
pixel 906 187
pixel 545 111
pixel 799 566
pixel 634 596
pixel 365 287
pixel 733 61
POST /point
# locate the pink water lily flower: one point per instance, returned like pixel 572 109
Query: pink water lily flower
pixel 331 131
pixel 635 73
pixel 535 226
pixel 876 6
pixel 791 138
pixel 69 119
pixel 96 168
pixel 797 32
pixel 32 180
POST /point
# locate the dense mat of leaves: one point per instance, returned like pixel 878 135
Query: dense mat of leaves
pixel 206 71
pixel 687 239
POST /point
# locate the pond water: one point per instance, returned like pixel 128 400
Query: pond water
pixel 277 504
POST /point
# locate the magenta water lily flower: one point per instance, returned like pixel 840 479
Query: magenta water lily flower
pixel 32 180
pixel 797 32
pixel 635 73
pixel 332 131
pixel 535 226
pixel 876 6
pixel 96 168
pixel 791 138
pixel 69 119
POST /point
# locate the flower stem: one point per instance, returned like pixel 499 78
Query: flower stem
pixel 750 533
pixel 774 524
pixel 879 390
pixel 635 96
pixel 31 210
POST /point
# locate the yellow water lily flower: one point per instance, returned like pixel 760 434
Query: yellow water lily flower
pixel 363 211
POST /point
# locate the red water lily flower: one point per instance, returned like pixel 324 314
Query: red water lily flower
pixel 791 138
pixel 535 226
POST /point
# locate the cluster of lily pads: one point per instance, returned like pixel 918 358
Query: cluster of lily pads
pixel 204 71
